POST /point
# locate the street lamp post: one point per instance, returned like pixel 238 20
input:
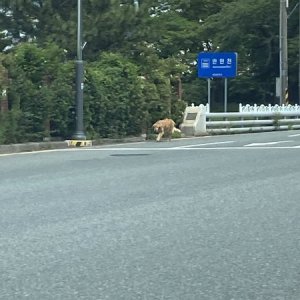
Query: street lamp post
pixel 79 133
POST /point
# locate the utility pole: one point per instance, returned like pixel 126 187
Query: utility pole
pixel 136 5
pixel 299 54
pixel 293 10
pixel 79 133
pixel 283 52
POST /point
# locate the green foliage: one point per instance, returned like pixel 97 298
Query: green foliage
pixel 41 90
pixel 147 67
pixel 255 39
pixel 11 130
pixel 114 99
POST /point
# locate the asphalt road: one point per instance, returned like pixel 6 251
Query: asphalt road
pixel 203 218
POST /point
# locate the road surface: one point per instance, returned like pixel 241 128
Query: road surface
pixel 202 218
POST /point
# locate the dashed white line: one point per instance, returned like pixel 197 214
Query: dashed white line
pixel 266 144
pixel 204 144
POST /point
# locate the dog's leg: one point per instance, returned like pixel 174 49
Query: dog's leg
pixel 170 135
pixel 160 135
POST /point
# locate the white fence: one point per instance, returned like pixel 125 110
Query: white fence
pixel 248 119
pixel 268 108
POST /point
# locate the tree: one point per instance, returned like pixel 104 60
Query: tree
pixel 140 64
pixel 40 90
pixel 251 29
pixel 114 100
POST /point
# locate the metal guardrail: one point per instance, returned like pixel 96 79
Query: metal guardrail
pixel 198 120
pixel 254 121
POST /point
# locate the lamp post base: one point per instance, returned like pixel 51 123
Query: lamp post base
pixel 79 135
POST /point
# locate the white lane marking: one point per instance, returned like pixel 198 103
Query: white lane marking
pixel 34 152
pixel 120 144
pixel 63 150
pixel 294 135
pixel 266 144
pixel 204 144
pixel 154 149
pixel 190 149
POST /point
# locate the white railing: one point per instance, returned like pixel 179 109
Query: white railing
pixel 268 108
pixel 206 106
pixel 249 119
pixel 251 122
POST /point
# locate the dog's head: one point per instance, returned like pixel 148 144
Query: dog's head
pixel 157 126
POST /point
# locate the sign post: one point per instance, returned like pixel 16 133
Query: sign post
pixel 217 65
pixel 208 91
pixel 225 95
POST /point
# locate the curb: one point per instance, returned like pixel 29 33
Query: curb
pixel 79 143
pixel 31 147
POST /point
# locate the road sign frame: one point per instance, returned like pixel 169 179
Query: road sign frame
pixel 217 64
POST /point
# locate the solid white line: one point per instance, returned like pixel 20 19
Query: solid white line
pixel 154 149
pixel 130 149
pixel 36 152
pixel 204 144
pixel 189 149
pixel 119 144
pixel 265 144
pixel 294 135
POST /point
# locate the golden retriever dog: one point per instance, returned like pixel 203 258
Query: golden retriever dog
pixel 164 127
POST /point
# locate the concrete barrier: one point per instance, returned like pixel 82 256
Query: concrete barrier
pixel 194 121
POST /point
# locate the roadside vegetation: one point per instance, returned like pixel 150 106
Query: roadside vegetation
pixel 140 62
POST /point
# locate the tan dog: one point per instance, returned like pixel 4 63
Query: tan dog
pixel 165 127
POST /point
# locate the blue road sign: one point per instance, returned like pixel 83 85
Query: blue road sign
pixel 217 64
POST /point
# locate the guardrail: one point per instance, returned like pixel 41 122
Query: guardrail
pixel 198 120
pixel 251 122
